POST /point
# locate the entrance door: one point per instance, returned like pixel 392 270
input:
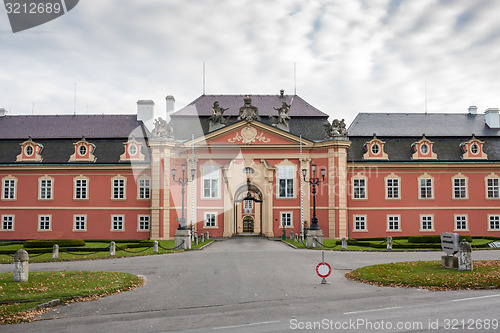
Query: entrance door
pixel 248 224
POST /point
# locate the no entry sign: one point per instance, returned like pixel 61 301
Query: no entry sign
pixel 323 270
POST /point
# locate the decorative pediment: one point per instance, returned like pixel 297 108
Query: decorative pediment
pixel 473 149
pixel 248 135
pixel 374 150
pixel 84 151
pixel 422 150
pixel 132 151
pixel 30 152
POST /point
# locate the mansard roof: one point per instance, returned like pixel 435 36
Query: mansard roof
pixel 68 126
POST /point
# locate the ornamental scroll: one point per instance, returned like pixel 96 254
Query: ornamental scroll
pixel 249 135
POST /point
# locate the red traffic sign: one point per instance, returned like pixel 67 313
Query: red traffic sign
pixel 323 270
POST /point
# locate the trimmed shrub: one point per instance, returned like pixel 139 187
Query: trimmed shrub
pixel 51 242
pixel 425 239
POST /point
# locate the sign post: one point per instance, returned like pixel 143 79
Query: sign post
pixel 323 269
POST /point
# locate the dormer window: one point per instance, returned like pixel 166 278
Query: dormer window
pixel 473 149
pixel 374 150
pixel 84 151
pixel 132 151
pixel 30 152
pixel 422 149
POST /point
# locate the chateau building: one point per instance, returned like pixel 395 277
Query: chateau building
pixel 233 164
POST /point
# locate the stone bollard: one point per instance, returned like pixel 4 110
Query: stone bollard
pixel 291 234
pixel 112 249
pixel 301 238
pixel 296 238
pixel 155 246
pixel 21 268
pixel 207 236
pixel 55 251
pixel 464 256
pixel 389 243
pixel 344 243
pixel 202 238
pixel 195 239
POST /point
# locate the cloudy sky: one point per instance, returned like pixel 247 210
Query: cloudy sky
pixel 351 56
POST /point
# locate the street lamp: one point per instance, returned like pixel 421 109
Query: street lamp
pixel 314 181
pixel 183 182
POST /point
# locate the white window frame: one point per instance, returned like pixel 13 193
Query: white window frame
pixel 493 222
pixel 426 221
pixel 9 188
pixel 359 191
pixel 393 220
pixel 78 221
pixel 460 189
pixel 424 187
pixel 463 219
pixel 286 220
pixel 286 181
pixel 493 189
pixel 144 189
pixel 392 188
pixel 45 188
pixel 143 222
pixel 117 223
pixel 210 182
pixel 6 220
pixel 210 220
pixel 80 191
pixel 44 222
pixel 359 223
pixel 118 188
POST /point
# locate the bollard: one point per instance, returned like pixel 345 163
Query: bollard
pixel 195 239
pixel 155 246
pixel 202 238
pixel 464 256
pixel 207 236
pixel 301 238
pixel 344 243
pixel 296 238
pixel 55 251
pixel 389 243
pixel 21 268
pixel 112 249
pixel 291 234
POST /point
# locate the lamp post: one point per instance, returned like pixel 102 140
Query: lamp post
pixel 314 181
pixel 183 182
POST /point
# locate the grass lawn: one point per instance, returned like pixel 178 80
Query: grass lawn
pixel 45 286
pixel 47 257
pixel 430 275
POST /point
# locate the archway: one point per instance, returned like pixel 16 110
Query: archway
pixel 248 209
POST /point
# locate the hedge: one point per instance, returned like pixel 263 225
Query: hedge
pixel 434 239
pixel 51 242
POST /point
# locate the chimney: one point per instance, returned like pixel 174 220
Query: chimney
pixel 3 112
pixel 492 118
pixel 170 104
pixel 145 113
pixel 473 109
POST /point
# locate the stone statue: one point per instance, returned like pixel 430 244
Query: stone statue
pixel 248 111
pixel 283 116
pixel 218 115
pixel 336 130
pixel 162 129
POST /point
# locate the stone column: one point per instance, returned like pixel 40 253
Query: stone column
pixel 344 243
pixel 112 249
pixel 389 243
pixel 155 246
pixel 21 268
pixel 183 236
pixel 55 251
pixel 464 256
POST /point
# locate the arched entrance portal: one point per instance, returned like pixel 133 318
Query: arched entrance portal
pixel 248 209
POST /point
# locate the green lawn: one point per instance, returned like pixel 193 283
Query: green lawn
pixel 430 275
pixel 45 286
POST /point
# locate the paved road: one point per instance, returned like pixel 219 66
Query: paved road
pixel 249 284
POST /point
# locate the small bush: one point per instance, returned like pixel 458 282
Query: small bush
pixel 51 242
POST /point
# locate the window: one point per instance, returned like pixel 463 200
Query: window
pixel 426 191
pixel 143 222
pixel 460 222
pixel 9 189
pixel 82 150
pixel 426 222
pixel 118 188
pixel 211 181
pixel 210 220
pixel 81 188
pixel 45 192
pixel 392 188
pixel 393 223
pixel 247 207
pixel 494 222
pixel 360 223
pixel 285 181
pixel 7 222
pixel 375 149
pixel 424 149
pixel 29 150
pixel 492 188
pixel 248 171
pixel 44 222
pixel 359 188
pixel 459 188
pixel 117 222
pixel 79 222
pixel 286 219
pixel 474 149
pixel 144 188
pixel 132 149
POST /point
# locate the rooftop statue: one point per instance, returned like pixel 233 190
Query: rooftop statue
pixel 248 111
pixel 162 130
pixel 283 116
pixel 336 130
pixel 218 114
